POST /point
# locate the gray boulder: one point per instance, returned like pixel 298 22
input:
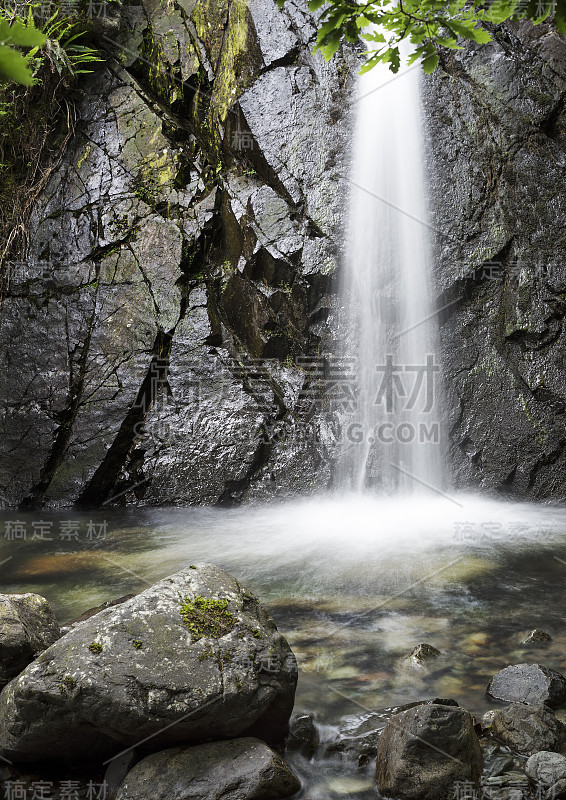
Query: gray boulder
pixel 528 683
pixel 241 769
pixel 27 626
pixel 546 768
pixel 192 658
pixel 527 729
pixel 423 752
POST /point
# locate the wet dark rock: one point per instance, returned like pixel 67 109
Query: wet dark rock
pixel 495 142
pixel 424 751
pixel 241 769
pixel 526 729
pixel 557 791
pixel 358 735
pixel 218 237
pixel 497 763
pixel 537 637
pixel 117 771
pixel 546 768
pixel 213 667
pixel 528 683
pixel 27 627
pixel 242 216
pixel 440 701
pixel 303 734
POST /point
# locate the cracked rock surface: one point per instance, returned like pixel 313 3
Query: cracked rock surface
pixel 496 121
pixel 188 242
pixel 191 238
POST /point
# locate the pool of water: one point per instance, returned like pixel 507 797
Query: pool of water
pixel 354 583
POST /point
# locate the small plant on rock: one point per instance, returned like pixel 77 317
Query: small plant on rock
pixel 207 618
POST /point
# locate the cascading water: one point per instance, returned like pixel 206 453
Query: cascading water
pixel 389 317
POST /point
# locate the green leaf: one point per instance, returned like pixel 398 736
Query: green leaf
pixel 430 63
pixel 20 35
pixel 14 67
pixel 481 36
pixel 373 37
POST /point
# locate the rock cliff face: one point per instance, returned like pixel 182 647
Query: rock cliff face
pixel 181 266
pixel 162 342
pixel 497 128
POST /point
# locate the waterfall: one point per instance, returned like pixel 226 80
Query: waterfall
pixel 395 440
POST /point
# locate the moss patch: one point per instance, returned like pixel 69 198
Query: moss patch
pixel 68 684
pixel 95 648
pixel 207 618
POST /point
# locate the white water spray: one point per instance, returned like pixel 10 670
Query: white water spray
pixel 386 293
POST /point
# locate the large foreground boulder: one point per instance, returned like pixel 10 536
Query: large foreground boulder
pixel 242 769
pixel 527 729
pixel 27 626
pixel 423 753
pixel 193 658
pixel 528 683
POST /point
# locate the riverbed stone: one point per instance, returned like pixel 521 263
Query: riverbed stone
pixel 27 626
pixel 528 683
pixel 527 729
pixel 192 658
pixel 546 768
pixel 241 769
pixel 424 751
pixel 422 656
pixel 537 637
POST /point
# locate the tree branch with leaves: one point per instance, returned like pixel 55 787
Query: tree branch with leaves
pixel 427 25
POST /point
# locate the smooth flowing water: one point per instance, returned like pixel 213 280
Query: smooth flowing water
pixel 392 331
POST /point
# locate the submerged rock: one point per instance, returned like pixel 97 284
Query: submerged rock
pixel 424 751
pixel 241 769
pixel 27 626
pixel 537 637
pixel 193 657
pixel 528 683
pixel 421 656
pixel 527 729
